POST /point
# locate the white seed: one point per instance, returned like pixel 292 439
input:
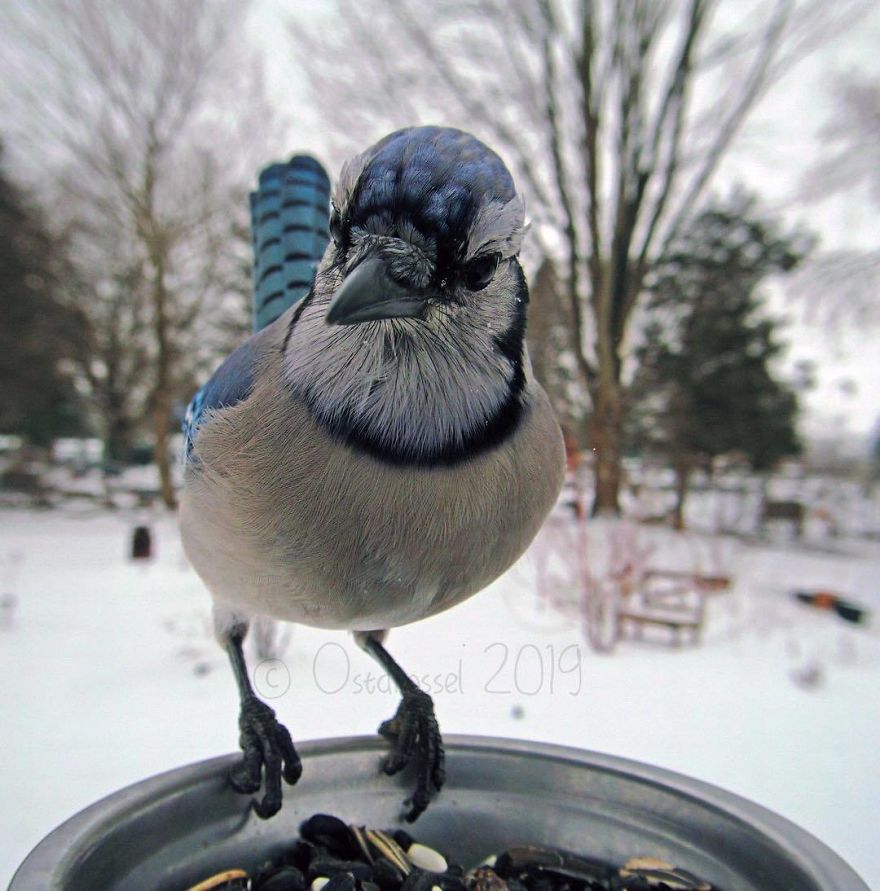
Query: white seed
pixel 647 863
pixel 426 858
pixel 318 883
pixel 490 861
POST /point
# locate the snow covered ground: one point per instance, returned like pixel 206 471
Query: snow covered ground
pixel 110 675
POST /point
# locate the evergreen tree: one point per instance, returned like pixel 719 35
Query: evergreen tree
pixel 38 399
pixel 706 385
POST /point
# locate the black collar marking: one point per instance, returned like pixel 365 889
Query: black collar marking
pixel 497 429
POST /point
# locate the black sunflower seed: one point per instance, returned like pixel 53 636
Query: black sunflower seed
pixel 343 881
pixel 331 867
pixel 419 880
pixel 450 882
pixel 386 875
pixel 284 878
pixel 362 859
pixel 404 839
pixel 332 833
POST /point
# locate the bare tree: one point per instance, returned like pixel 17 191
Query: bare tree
pixel 551 349
pixel 614 114
pixel 113 311
pixel 149 115
pixel 841 286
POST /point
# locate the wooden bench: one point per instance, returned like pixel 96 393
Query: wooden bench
pixel 666 599
pixel 682 626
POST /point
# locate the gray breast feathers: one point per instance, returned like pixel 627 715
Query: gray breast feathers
pixel 311 530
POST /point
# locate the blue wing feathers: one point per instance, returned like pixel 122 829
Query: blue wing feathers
pixel 231 383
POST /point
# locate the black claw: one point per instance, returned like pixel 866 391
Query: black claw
pixel 242 779
pixel 438 774
pixel 268 807
pixel 415 736
pixel 292 765
pixel 268 754
pixel 388 729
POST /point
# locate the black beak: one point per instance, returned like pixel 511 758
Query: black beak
pixel 369 294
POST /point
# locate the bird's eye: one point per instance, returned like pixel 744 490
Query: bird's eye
pixel 478 273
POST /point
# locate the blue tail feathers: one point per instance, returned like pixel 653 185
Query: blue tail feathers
pixel 290 219
pixel 290 213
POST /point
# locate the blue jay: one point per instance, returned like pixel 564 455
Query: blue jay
pixel 381 450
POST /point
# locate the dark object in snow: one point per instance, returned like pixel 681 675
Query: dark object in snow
pixel 791 512
pixel 141 543
pixel 809 676
pixel 828 600
pixel 8 603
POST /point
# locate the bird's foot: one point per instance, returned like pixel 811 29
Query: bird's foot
pixel 265 742
pixel 415 735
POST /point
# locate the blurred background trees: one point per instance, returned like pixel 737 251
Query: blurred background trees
pixel 841 286
pixel 152 119
pixel 140 126
pixel 39 336
pixel 706 384
pixel 593 103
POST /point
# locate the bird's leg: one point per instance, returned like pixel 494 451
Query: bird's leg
pixel 413 731
pixel 264 741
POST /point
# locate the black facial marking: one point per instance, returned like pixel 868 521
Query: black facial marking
pixel 479 272
pixel 494 432
pixel 296 316
pixel 337 228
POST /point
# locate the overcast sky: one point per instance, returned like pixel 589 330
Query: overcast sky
pixel 779 143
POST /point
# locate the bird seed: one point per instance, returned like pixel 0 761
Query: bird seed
pixel 330 855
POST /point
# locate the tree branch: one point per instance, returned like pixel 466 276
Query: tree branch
pixel 563 187
pixel 741 107
pixel 670 120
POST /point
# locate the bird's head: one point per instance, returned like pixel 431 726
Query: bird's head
pixel 411 344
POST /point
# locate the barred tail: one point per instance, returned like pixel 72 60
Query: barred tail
pixel 290 213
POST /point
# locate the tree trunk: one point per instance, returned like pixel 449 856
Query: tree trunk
pixel 162 394
pixel 543 316
pixel 162 432
pixel 606 435
pixel 117 425
pixel 118 439
pixel 683 469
